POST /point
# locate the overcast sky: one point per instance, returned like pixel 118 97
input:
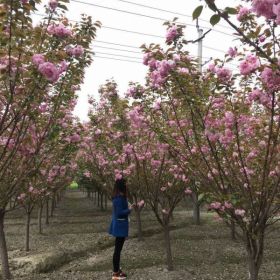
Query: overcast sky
pixel 123 71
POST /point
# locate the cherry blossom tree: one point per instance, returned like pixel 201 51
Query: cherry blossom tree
pixel 224 126
pixel 41 66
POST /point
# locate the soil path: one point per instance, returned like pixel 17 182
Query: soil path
pixel 76 246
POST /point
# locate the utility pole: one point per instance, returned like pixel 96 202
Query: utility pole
pixel 200 45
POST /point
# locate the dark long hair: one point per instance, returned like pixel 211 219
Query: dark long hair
pixel 120 187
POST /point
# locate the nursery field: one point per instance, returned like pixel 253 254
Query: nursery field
pixel 75 245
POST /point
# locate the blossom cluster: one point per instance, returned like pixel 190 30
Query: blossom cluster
pixel 270 9
pixel 49 70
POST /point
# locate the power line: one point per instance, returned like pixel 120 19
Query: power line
pixel 117 29
pixel 121 45
pixel 168 11
pixel 115 49
pixel 136 32
pixel 118 59
pixel 142 15
pixel 120 55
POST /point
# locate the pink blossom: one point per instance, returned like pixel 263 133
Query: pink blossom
pixel 228 205
pixel 242 13
pixel 75 138
pixel 77 51
pixel 141 204
pixel 215 205
pixel 38 59
pixel 24 1
pixel 232 52
pixel 276 11
pixel 264 8
pixel 188 191
pixel 183 70
pixel 249 65
pixel 271 78
pixel 49 71
pixel 157 104
pixel 240 212
pixel 224 74
pixel 87 174
pixel 53 4
pixel 212 67
pixel 262 38
pixel 59 30
pixel 172 34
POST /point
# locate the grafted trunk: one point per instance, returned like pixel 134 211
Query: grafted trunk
pixel 27 232
pixel 255 249
pixel 139 224
pixel 196 208
pixel 40 211
pixel 3 248
pixel 169 260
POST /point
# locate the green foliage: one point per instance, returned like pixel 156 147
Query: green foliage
pixel 215 19
pixel 197 12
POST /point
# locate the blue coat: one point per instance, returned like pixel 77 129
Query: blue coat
pixel 119 224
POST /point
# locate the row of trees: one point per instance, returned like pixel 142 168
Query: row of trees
pixel 41 68
pixel 213 133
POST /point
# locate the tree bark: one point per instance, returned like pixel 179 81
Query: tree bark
pixel 98 198
pixel 95 197
pixel 232 231
pixel 255 249
pixel 27 232
pixel 101 198
pixel 40 211
pixel 106 202
pixel 3 248
pixel 169 260
pixel 47 213
pixel 52 206
pixel 139 224
pixel 196 208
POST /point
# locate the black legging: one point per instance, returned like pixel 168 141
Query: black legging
pixel 117 253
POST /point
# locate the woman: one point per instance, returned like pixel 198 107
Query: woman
pixel 119 224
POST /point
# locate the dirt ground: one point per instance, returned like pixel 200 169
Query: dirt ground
pixel 76 246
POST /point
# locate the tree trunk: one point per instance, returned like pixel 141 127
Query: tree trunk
pixel 98 198
pixel 106 202
pixel 3 248
pixel 40 211
pixel 139 224
pixel 255 248
pixel 169 260
pixel 102 196
pixel 95 197
pixel 27 232
pixel 47 213
pixel 232 231
pixel 52 206
pixel 196 208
